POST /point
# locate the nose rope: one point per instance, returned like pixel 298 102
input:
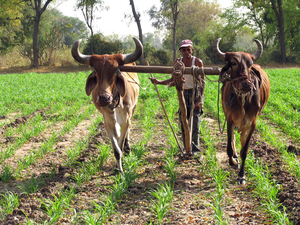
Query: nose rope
pixel 104 97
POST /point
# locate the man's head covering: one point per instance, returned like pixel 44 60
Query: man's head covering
pixel 186 43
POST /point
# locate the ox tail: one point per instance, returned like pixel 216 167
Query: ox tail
pixel 84 59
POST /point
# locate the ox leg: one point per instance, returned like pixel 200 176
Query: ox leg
pixel 118 154
pixel 113 131
pixel 127 148
pixel 245 140
pixel 235 155
pixel 124 136
pixel 231 152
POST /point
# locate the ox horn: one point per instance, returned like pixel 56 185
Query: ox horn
pixel 132 57
pixel 220 55
pixel 84 59
pixel 259 51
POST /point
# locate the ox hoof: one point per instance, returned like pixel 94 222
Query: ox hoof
pixel 127 148
pixel 234 162
pixel 117 171
pixel 241 181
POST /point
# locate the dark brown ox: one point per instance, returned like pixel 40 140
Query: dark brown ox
pixel 114 93
pixel 245 92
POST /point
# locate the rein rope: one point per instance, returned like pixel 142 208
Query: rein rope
pixel 137 83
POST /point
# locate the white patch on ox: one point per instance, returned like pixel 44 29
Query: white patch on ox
pixel 117 124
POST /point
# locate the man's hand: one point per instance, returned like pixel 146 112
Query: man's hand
pixel 171 84
pixel 153 80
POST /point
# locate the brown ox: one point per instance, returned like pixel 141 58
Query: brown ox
pixel 114 93
pixel 245 92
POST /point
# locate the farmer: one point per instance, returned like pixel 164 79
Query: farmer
pixel 186 50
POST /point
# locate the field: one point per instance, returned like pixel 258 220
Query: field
pixel 57 164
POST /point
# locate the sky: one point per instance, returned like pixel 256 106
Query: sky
pixel 112 21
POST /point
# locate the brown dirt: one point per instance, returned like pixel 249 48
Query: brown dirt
pixel 44 69
pixel 192 187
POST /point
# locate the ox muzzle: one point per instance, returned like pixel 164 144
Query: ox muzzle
pixel 104 98
pixel 107 99
pixel 244 84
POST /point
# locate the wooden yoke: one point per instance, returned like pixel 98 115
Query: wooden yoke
pixel 177 75
pixel 168 69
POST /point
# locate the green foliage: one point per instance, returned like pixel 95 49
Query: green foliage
pixel 70 28
pixel 11 16
pixel 204 42
pixel 97 45
pixel 7 173
pixel 32 185
pixel 164 198
pixel 8 202
pixel 195 17
pixel 267 189
pixel 261 17
pixel 156 57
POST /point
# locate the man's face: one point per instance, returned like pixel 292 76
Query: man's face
pixel 186 51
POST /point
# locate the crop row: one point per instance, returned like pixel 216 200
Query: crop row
pixel 64 100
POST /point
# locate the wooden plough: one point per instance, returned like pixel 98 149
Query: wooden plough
pixel 194 71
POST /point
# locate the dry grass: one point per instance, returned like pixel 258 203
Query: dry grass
pixel 63 62
pixel 13 59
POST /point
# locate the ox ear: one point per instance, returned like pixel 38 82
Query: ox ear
pixel 90 83
pixel 257 74
pixel 223 72
pixel 121 83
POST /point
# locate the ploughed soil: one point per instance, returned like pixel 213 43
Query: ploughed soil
pixel 193 187
pixel 192 191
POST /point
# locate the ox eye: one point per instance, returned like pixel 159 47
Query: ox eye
pixel 233 64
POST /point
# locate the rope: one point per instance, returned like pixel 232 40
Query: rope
pixel 144 88
pixel 221 130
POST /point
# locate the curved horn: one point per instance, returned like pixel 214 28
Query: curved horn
pixel 220 55
pixel 259 51
pixel 132 57
pixel 84 59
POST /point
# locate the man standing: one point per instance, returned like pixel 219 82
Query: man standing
pixel 186 50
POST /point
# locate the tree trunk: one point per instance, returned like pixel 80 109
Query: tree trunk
pixel 174 41
pixel 138 22
pixel 38 13
pixel 35 41
pixel 280 22
pixel 175 13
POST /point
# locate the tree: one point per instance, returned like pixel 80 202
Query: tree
pixel 101 46
pixel 195 17
pixel 277 8
pixel 10 23
pixel 259 14
pixel 253 15
pixel 138 22
pixel 72 29
pixel 39 10
pixel 166 17
pixel 88 9
pixel 292 31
